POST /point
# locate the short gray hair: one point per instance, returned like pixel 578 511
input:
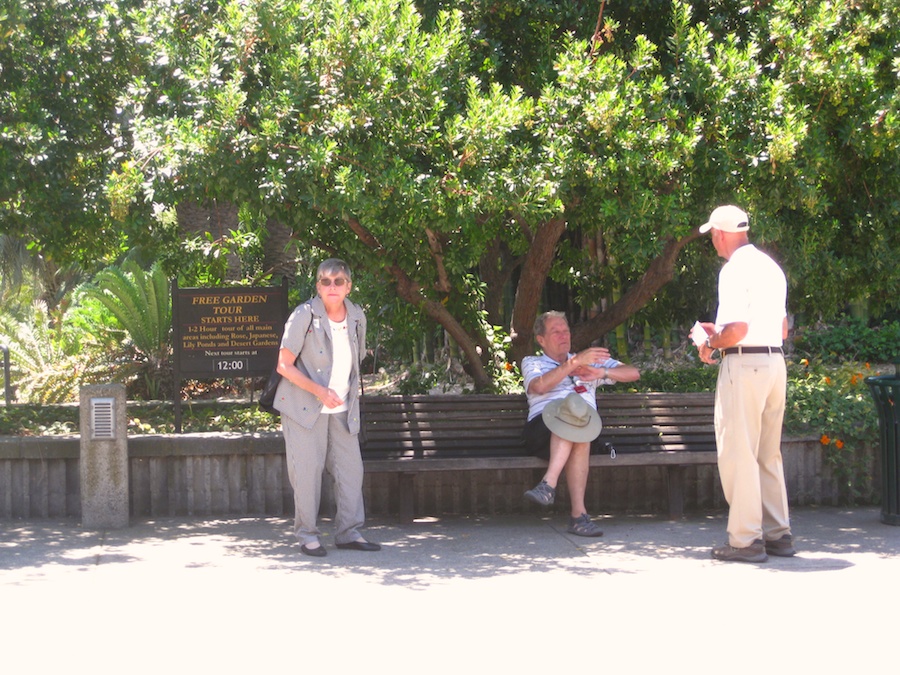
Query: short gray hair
pixel 333 267
pixel 540 323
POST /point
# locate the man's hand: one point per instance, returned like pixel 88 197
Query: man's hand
pixel 587 357
pixel 706 353
pixel 589 373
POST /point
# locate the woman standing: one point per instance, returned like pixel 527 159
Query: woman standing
pixel 318 398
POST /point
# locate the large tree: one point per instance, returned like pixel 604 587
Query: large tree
pixel 497 145
pixel 373 134
pixel 63 66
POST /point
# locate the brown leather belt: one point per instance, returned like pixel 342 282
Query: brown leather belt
pixel 752 350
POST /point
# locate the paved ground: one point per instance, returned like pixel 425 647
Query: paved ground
pixel 468 595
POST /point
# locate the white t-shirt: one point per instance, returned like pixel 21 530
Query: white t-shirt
pixel 342 362
pixel 753 290
pixel 535 366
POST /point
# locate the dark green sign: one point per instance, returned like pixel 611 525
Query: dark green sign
pixel 227 332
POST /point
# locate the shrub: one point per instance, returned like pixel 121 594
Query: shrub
pixel 850 340
pixel 142 305
pixel 50 361
pixel 157 417
pixel 834 403
pixel 685 379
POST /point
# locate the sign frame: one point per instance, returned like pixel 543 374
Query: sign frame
pixel 225 332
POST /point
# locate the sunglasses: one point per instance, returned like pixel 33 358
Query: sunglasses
pixel 340 281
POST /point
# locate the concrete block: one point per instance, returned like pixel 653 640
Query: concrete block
pixel 104 457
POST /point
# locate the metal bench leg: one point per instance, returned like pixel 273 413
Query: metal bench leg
pixel 675 487
pixel 407 486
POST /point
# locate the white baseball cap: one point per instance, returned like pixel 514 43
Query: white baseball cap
pixel 727 219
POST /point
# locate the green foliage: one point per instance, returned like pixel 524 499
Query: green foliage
pixel 141 304
pixel 835 404
pixel 838 64
pixel 49 362
pixel 29 419
pixel 200 416
pixel 504 371
pixel 204 259
pixel 143 418
pixel 851 340
pixel 63 67
pixel 433 142
pixel 446 375
pixel 679 379
pixel 429 378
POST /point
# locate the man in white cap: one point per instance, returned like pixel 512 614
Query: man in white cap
pixel 751 324
pixel 562 412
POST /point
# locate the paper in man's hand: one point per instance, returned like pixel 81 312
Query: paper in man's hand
pixel 698 334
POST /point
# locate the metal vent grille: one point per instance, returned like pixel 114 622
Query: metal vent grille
pixel 102 422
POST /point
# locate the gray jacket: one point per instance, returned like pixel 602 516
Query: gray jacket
pixel 307 333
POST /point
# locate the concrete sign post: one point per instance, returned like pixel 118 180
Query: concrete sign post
pixel 104 457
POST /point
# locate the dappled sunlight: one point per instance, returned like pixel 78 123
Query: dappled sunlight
pixel 432 552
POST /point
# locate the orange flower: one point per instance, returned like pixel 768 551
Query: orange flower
pixel 839 443
pixel 508 366
pixel 868 367
pixel 853 380
pixel 827 380
pixel 804 362
pixel 824 440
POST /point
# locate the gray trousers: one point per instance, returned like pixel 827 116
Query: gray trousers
pixel 327 446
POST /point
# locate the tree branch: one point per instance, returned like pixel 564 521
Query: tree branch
pixel 437 253
pixel 473 347
pixel 660 272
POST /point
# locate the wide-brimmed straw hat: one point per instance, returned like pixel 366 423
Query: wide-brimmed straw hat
pixel 573 419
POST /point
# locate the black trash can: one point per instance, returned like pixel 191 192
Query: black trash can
pixel 886 392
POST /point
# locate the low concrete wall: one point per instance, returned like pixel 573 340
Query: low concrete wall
pixel 245 474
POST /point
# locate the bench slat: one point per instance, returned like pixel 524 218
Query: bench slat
pixel 413 465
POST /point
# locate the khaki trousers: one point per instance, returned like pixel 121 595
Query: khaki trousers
pixel 330 446
pixel 750 399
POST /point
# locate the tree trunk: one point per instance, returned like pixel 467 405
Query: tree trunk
pixel 535 269
pixel 496 268
pixel 278 259
pixel 216 218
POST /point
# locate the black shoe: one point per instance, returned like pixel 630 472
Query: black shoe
pixel 317 552
pixel 755 552
pixel 360 545
pixel 783 547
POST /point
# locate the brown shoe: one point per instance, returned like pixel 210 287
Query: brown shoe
pixel 783 547
pixel 755 552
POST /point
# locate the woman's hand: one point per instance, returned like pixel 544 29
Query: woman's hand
pixel 329 398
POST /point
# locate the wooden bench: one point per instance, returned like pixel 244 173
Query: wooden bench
pixel 409 435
